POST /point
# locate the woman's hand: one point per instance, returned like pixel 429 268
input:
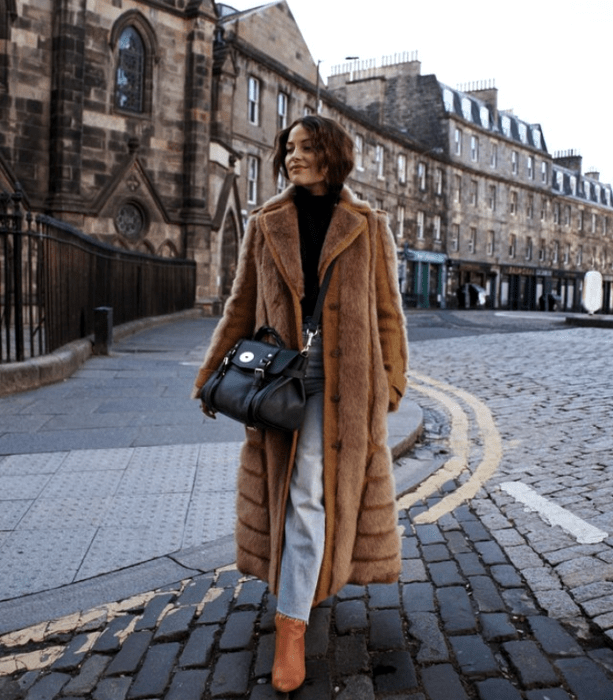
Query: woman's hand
pixel 207 411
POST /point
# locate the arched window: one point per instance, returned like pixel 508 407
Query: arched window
pixel 130 77
pixel 134 46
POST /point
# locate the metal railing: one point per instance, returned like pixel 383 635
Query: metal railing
pixel 52 277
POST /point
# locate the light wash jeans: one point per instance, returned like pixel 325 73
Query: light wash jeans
pixel 305 520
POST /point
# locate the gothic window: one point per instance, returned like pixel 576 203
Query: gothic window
pixel 130 71
pixel 134 46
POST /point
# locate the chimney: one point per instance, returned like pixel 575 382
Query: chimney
pixel 569 159
pixel 486 91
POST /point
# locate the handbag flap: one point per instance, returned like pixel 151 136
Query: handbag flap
pixel 251 354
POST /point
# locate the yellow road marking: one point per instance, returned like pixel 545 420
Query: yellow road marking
pixel 458 444
pixel 492 450
pixel 30 661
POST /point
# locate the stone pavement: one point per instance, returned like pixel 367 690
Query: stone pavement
pixel 160 482
pixel 478 612
pixel 462 623
pixel 550 395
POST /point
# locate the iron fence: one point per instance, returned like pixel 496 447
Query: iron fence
pixel 52 277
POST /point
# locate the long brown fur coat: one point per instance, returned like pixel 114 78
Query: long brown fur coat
pixel 365 366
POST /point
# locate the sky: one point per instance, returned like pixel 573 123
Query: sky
pixel 550 61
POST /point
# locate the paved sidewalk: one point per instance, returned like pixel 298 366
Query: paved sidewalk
pixel 111 477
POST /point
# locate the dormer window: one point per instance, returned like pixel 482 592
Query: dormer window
pixel 448 99
pixel 506 126
pixel 484 113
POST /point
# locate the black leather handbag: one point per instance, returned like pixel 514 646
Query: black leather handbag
pixel 261 384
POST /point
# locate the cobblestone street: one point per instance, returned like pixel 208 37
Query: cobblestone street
pixel 505 597
pixel 550 395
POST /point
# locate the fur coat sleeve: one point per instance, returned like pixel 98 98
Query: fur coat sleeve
pixel 238 320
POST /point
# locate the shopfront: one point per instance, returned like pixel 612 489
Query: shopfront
pixel 425 278
pixel 533 289
pixel 460 274
pixel 607 294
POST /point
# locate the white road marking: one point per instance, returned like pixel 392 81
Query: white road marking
pixel 553 514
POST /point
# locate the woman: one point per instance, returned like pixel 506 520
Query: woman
pixel 316 509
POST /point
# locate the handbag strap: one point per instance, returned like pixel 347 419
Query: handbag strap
pixel 312 326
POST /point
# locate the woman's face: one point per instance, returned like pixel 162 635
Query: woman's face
pixel 302 163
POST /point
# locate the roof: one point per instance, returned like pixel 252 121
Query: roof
pixel 505 123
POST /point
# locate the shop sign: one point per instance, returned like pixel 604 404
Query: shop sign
pixel 425 256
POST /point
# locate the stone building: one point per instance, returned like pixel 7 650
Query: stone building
pixel 471 191
pixel 150 124
pixel 105 112
pixel 265 78
pixel 517 221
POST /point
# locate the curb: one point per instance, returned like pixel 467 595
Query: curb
pixel 25 611
pixel 31 374
pixel 589 321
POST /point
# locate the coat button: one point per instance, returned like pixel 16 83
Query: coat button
pixel 336 398
pixel 337 445
pixel 333 306
pixel 336 352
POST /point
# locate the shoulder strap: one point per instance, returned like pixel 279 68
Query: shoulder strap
pixel 319 305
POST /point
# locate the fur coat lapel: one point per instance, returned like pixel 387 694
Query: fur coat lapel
pixel 279 220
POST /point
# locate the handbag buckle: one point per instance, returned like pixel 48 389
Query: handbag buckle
pixel 260 371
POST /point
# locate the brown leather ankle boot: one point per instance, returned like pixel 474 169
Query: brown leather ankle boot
pixel 288 670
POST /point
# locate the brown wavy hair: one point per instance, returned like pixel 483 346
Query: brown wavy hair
pixel 331 142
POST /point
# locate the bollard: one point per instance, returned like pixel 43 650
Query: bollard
pixel 103 330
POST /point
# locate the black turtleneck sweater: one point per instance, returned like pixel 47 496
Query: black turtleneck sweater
pixel 314 215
